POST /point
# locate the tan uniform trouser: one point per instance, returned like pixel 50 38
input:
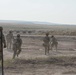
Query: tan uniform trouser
pixel 54 45
pixel 46 46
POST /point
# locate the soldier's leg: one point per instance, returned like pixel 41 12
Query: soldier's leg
pixel 19 51
pixel 45 50
pixel 10 45
pixel 7 45
pixel 52 46
pixel 15 51
pixel 56 47
pixel 14 54
pixel 48 49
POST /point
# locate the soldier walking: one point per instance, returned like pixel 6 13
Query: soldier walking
pixel 46 44
pixel 3 42
pixel 9 38
pixel 17 46
pixel 54 42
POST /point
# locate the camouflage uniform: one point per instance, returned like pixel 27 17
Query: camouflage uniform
pixel 3 44
pixel 9 38
pixel 54 42
pixel 46 41
pixel 17 46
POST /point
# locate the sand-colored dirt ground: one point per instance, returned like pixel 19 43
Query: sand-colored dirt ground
pixel 33 61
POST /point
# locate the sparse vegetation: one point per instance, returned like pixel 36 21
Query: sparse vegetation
pixel 32 60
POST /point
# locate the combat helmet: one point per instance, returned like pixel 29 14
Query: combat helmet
pixel 10 31
pixel 18 35
pixel 47 33
pixel 52 36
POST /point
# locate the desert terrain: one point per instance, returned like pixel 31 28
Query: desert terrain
pixel 33 61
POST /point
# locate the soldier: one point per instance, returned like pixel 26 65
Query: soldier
pixel 46 41
pixel 3 42
pixel 17 46
pixel 54 42
pixel 9 38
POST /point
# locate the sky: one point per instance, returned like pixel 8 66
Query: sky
pixel 54 11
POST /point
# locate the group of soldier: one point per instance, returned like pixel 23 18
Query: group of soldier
pixel 16 43
pixel 12 43
pixel 47 42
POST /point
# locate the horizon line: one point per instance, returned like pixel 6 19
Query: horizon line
pixel 40 21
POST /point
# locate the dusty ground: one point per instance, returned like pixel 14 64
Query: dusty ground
pixel 32 60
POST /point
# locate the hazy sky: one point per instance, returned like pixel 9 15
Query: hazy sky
pixel 55 11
